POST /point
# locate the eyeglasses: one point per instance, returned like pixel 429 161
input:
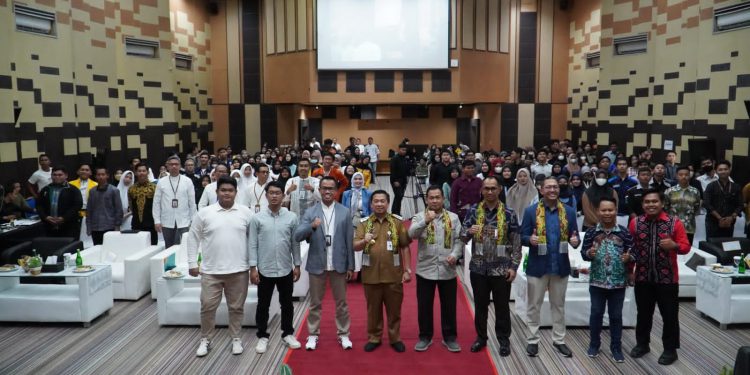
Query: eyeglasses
pixel 325 188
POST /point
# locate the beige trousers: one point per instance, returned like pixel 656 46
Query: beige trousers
pixel 234 287
pixel 537 287
pixel 317 291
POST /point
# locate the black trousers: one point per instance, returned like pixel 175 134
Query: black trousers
pixel 647 297
pixel 500 289
pixel 285 286
pixel 98 236
pixel 425 303
pixel 398 195
pixel 713 230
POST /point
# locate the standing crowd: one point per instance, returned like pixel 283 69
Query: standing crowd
pixel 247 215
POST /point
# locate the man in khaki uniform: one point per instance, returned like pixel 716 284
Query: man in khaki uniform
pixel 386 265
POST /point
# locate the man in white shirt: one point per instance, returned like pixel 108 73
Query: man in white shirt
pixel 708 173
pixel 336 144
pixel 41 177
pixel 373 151
pixel 221 231
pixel 302 190
pixel 255 195
pixel 209 195
pixel 174 203
pixel 541 166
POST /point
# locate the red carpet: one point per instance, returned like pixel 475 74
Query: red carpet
pixel 329 358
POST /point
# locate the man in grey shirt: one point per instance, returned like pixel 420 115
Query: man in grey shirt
pixel 438 232
pixel 104 208
pixel 274 263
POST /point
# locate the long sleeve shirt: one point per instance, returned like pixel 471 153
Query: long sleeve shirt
pixel 724 199
pixel 270 242
pixel 552 263
pixel 431 257
pixel 621 186
pixel 104 209
pixel 440 174
pixel 654 264
pixel 465 191
pixel 488 261
pixel 338 175
pixel 222 234
pixel 171 191
pixel 209 196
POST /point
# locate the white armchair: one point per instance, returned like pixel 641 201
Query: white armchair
pixel 687 277
pixel 303 284
pixel 128 254
pixel 175 255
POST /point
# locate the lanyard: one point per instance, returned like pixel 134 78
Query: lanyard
pixel 257 197
pixel 329 220
pixel 174 189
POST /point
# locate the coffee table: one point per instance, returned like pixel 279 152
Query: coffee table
pixel 723 297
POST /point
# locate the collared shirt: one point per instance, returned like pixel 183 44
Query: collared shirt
pixel 209 196
pixel 104 209
pixel 329 229
pixel 270 242
pixel 465 191
pixel 54 198
pixel 255 197
pixel 441 174
pixel 553 263
pixel 634 198
pixel 222 235
pixel 382 268
pixel 684 203
pixel 431 257
pixel 487 262
pixel 726 199
pixel 607 269
pixel 705 179
pixel 167 190
pixel 545 169
pixel 300 199
pixel 621 186
pixel 372 151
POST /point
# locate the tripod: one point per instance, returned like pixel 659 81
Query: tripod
pixel 417 192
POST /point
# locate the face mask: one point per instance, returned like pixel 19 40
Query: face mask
pixel 707 168
pixel 498 170
pixel 560 157
pixel 573 161
pixel 263 160
pixel 601 181
pixel 691 174
pixel 314 161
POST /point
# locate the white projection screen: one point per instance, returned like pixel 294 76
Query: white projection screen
pixel 382 34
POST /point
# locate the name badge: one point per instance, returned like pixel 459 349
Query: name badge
pixel 500 251
pixel 495 233
pixel 563 247
pixel 365 260
pixel 328 240
pixel 175 203
pixel 397 260
pixel 257 208
pixel 389 245
pixel 542 249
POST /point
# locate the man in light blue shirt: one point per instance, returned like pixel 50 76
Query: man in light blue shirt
pixel 274 262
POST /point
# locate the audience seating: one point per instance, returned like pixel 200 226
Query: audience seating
pixel 715 247
pixel 128 254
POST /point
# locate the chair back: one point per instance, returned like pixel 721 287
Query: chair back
pixel 122 245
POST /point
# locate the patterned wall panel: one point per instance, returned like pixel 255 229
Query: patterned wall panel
pixel 81 95
pixel 689 84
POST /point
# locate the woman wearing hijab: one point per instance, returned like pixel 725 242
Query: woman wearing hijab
pixel 204 181
pixel 505 175
pixel 485 170
pixel 247 176
pixel 576 185
pixel 126 181
pixel 284 175
pixel 357 198
pixel 592 196
pixel 364 167
pixel 236 175
pixel 566 193
pixel 572 167
pixel 455 173
pixel 522 194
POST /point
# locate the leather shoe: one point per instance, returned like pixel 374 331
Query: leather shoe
pixel 639 351
pixel 370 346
pixel 398 346
pixel 563 349
pixel 478 345
pixel 668 357
pixel 504 349
pixel 532 350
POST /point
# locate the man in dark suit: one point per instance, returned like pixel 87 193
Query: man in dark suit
pixel 327 227
pixel 58 206
pixel 399 178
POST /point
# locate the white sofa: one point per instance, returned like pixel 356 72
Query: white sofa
pixel 128 254
pixel 687 277
pixel 725 298
pixel 179 253
pixel 179 303
pixel 159 260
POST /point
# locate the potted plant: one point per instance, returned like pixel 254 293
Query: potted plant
pixel 35 264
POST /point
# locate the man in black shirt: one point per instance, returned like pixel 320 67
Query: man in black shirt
pixel 399 177
pixel 441 173
pixel 723 202
pixel 634 195
pixel 58 206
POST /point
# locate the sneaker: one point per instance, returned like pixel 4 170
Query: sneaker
pixel 422 345
pixel 203 347
pixel 452 346
pixel 262 345
pixel 346 344
pixel 593 352
pixel 237 346
pixel 291 342
pixel 618 356
pixel 312 342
